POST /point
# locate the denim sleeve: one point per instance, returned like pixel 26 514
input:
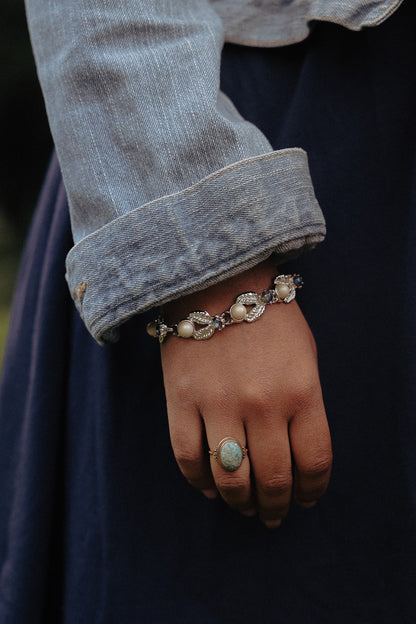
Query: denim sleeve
pixel 170 189
pixel 270 23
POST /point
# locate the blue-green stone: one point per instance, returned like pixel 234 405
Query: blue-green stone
pixel 230 455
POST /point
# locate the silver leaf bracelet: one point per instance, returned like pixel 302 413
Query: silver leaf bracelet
pixel 283 291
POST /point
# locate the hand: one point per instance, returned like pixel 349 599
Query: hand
pixel 257 383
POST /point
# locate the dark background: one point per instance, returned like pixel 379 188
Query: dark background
pixel 25 145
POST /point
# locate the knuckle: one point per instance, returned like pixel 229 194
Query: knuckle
pixel 188 461
pixel 232 488
pixel 256 396
pixel 216 399
pixel 307 391
pixel 318 467
pixel 183 388
pixel 253 396
pixel 276 486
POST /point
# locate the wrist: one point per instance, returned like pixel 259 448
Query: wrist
pixel 201 324
pixel 217 298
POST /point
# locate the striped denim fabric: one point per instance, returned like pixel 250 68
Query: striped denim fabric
pixel 170 189
pixel 269 23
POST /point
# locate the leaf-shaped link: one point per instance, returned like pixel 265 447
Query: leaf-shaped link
pixel 290 296
pixel 284 279
pixel 255 313
pixel 205 332
pixel 287 280
pixel 202 318
pixel 248 298
pixel 162 332
pixel 257 303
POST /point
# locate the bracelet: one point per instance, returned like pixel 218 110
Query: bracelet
pixel 283 291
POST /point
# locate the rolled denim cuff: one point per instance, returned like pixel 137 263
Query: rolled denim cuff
pixel 173 246
pixel 279 22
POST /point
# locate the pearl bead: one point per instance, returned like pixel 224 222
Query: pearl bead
pixel 282 291
pixel 238 312
pixel 185 329
pixel 151 329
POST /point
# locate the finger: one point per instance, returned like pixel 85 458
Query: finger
pixel 271 464
pixel 189 445
pixel 312 453
pixel 234 486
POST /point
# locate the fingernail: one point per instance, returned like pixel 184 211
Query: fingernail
pixel 210 493
pixel 308 505
pixel 249 513
pixel 273 524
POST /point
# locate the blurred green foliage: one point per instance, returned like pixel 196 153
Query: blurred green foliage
pixel 9 253
pixel 26 146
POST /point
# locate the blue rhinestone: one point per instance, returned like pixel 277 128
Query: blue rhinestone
pixel 266 296
pixel 216 323
pixel 298 280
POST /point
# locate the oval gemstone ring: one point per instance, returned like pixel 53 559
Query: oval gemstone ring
pixel 229 454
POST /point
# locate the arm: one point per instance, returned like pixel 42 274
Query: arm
pixel 170 191
pixel 257 383
pixel 169 188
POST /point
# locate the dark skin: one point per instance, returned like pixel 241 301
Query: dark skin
pixel 259 384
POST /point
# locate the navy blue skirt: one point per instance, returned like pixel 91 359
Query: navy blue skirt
pixel 92 528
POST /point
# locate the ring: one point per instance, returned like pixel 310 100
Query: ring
pixel 229 454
